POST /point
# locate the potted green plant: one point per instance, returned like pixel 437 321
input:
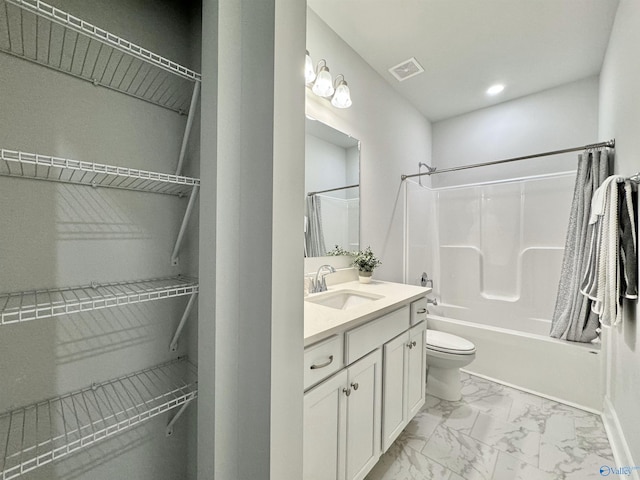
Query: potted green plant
pixel 365 261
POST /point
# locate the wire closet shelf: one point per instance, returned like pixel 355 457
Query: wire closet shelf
pixel 42 167
pixel 38 434
pixel 36 304
pixel 38 32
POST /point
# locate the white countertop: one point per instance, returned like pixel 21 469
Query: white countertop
pixel 321 322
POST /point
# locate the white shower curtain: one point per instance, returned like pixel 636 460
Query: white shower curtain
pixel 314 236
pixel 573 318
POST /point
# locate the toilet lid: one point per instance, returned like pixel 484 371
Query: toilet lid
pixel 445 342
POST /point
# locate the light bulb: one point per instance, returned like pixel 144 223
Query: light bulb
pixel 323 86
pixel 309 72
pixel 495 89
pixel 342 97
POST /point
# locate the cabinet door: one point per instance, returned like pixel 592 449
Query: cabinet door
pixel 325 429
pixel 417 369
pixel 394 394
pixel 363 415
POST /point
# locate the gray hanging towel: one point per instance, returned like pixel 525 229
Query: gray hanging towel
pixel 628 241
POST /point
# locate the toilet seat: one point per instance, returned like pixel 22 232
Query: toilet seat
pixel 447 343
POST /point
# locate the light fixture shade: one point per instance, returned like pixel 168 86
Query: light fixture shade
pixel 323 86
pixel 342 97
pixel 309 72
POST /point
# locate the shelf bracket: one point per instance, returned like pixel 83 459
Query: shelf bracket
pixel 173 346
pixel 174 419
pixel 187 129
pixel 183 227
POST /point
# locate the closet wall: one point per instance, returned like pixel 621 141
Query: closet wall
pixel 55 235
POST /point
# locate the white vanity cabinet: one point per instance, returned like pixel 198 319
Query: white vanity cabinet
pixel 380 373
pixel 342 422
pixel 404 381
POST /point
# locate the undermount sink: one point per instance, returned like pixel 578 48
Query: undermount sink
pixel 343 299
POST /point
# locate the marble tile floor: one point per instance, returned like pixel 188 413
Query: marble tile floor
pixel 499 433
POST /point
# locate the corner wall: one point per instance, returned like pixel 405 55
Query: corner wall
pixel 394 138
pixel 251 265
pixel 620 118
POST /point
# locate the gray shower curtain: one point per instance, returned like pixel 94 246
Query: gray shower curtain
pixel 314 236
pixel 573 318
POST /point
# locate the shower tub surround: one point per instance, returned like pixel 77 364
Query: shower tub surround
pixel 493 249
pixel 500 433
pixel 495 252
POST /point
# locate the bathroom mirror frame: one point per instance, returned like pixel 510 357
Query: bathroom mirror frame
pixel 338 202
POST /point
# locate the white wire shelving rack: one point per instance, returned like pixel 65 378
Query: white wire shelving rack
pixel 42 167
pixel 37 304
pixel 40 33
pixel 48 36
pixel 38 434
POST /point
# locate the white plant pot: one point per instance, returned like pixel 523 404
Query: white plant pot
pixel 364 277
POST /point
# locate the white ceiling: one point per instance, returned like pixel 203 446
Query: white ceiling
pixel 465 46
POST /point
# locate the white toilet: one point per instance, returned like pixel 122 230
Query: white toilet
pixel 446 354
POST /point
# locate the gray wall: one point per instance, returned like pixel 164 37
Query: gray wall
pixel 554 119
pixel 394 138
pixel 620 118
pixel 251 264
pixel 55 235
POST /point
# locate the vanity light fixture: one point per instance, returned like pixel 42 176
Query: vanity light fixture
pixel 321 83
pixel 309 72
pixel 342 96
pixel 495 89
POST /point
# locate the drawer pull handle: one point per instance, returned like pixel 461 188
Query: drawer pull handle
pixel 347 391
pixel 326 364
pixel 422 310
pixel 355 386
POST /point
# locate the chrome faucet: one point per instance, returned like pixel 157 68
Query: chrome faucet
pixel 321 285
pixel 432 301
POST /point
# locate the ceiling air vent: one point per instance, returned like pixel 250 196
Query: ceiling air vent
pixel 407 69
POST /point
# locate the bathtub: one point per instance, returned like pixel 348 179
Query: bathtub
pixel 568 372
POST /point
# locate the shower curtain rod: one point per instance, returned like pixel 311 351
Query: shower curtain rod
pixel 610 143
pixel 310 194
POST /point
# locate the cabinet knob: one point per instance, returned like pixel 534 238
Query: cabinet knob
pixel 355 386
pixel 410 345
pixel 413 344
pixel 347 391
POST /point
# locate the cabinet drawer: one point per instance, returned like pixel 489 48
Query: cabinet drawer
pixel 322 360
pixel 371 335
pixel 419 311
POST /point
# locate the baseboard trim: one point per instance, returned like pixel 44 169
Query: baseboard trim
pixel 534 392
pixel 619 446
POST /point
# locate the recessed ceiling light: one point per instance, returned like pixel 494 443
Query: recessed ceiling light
pixel 495 89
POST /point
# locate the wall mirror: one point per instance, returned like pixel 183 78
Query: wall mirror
pixel 332 198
